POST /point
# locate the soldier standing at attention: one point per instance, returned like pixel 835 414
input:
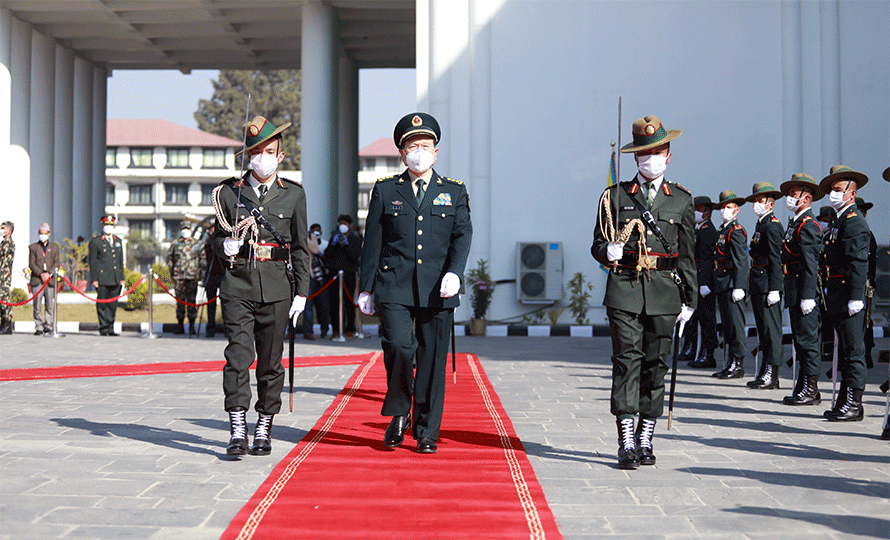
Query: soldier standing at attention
pixel 705 314
pixel 7 253
pixel 642 298
pixel 186 260
pixel 800 255
pixel 766 281
pixel 731 269
pixel 844 266
pixel 417 240
pixel 106 256
pixel 256 289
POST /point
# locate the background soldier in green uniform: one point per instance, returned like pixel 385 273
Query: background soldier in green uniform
pixel 872 273
pixel 256 290
pixel 765 282
pixel 731 267
pixel 106 256
pixel 642 299
pixel 7 253
pixel 844 265
pixel 186 260
pixel 417 240
pixel 706 312
pixel 800 256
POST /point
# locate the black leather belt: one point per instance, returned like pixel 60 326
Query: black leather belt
pixel 649 262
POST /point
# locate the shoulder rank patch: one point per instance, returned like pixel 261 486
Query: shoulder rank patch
pixel 634 188
pixel 852 214
pixel 666 188
pixel 458 182
pixel 682 188
pixel 385 178
pixel 774 219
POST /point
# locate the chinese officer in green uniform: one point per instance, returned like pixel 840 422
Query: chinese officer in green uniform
pixel 844 266
pixel 800 257
pixel 731 268
pixel 706 311
pixel 643 300
pixel 106 259
pixel 256 290
pixel 417 240
pixel 765 282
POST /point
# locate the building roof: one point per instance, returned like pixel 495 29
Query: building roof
pixel 383 147
pixel 135 132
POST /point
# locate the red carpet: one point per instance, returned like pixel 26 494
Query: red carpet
pixel 341 482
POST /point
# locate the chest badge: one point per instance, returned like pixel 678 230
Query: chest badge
pixel 444 199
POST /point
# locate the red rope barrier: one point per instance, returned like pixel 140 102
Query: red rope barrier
pixel 328 284
pixel 40 290
pixel 104 300
pixel 183 302
pixel 351 299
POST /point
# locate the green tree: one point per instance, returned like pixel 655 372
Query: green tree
pixel 274 95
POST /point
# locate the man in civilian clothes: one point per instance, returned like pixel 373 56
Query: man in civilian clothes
pixel 43 260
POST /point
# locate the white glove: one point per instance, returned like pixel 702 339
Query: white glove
pixel 296 308
pixel 738 294
pixel 855 306
pixel 807 306
pixel 615 251
pixel 772 298
pixel 231 246
pixel 685 314
pixel 704 290
pixel 450 285
pixel 366 303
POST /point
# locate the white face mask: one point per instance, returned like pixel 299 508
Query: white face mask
pixel 264 165
pixel 420 160
pixel 43 237
pixel 185 233
pixel 727 214
pixel 792 204
pixel 652 166
pixel 836 198
pixel 699 217
pixel 108 229
pixel 760 209
pixel 343 228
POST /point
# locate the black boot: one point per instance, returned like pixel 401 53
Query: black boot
pixel 180 329
pixel 851 410
pixel 645 432
pixel 211 329
pixel 262 437
pixel 6 326
pixel 627 447
pixel 192 327
pixel 238 430
pixel 759 375
pixel 808 392
pixel 690 344
pixel 839 402
pixel 705 359
pixel 768 380
pixel 733 371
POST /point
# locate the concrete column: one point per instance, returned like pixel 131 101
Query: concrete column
pixel 20 72
pixel 830 47
pixel 82 165
pixel 64 137
pixel 5 80
pixel 97 152
pixel 42 145
pixel 16 154
pixel 347 141
pixel 792 151
pixel 422 53
pixel 319 113
pixel 811 90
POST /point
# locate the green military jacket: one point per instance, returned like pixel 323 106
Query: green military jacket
pixel 844 260
pixel 652 292
pixel 731 263
pixel 265 280
pixel 766 256
pixel 409 248
pixel 106 258
pixel 800 258
pixel 186 259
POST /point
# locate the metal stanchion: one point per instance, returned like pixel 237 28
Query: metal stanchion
pixel 340 296
pixel 151 319
pixel 55 284
pixel 359 333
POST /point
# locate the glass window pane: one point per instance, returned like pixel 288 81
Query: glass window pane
pixel 141 194
pixel 144 226
pixel 207 194
pixel 109 194
pixel 214 158
pixel 140 157
pixel 176 193
pixel 171 228
pixel 110 157
pixel 177 158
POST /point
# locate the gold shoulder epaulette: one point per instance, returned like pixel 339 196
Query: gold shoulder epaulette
pixel 681 187
pixel 852 214
pixel 385 178
pixel 774 219
pixel 458 182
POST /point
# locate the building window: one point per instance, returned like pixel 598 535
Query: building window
pixel 367 164
pixel 207 194
pixel 214 158
pixel 176 194
pixel 140 158
pixel 177 158
pixel 141 194
pixel 392 163
pixel 111 158
pixel 109 194
pixel 171 229
pixel 142 226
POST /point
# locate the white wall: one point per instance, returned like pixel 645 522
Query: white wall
pixel 538 82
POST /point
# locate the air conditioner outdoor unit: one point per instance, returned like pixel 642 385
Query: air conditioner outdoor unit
pixel 538 272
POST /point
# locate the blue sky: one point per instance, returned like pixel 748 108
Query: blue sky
pixel 385 95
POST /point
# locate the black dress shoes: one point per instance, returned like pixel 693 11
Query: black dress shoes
pixel 627 458
pixel 733 371
pixel 645 456
pixel 426 446
pixel 395 433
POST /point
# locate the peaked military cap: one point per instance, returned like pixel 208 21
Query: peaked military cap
pixel 108 220
pixel 648 133
pixel 728 196
pixel 763 188
pixel 801 179
pixel 260 130
pixel 842 172
pixel 416 123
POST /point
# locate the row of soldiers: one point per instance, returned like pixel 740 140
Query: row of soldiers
pixel 826 275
